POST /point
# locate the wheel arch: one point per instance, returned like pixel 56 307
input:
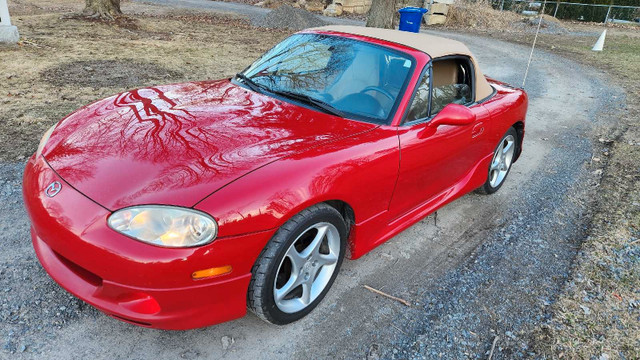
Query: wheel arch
pixel 346 210
pixel 519 127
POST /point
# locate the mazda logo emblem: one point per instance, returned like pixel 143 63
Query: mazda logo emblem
pixel 53 189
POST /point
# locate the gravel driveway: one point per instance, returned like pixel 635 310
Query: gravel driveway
pixel 489 266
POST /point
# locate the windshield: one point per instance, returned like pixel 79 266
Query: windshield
pixel 335 74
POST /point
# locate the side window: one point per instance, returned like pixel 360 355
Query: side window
pixel 419 108
pixel 452 83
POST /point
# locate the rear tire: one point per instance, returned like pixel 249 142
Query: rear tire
pixel 298 265
pixel 501 162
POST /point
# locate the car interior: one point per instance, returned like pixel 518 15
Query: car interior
pixel 452 83
pixel 353 90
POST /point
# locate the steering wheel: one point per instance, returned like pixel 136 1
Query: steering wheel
pixel 378 89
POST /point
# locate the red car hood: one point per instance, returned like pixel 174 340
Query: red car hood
pixel 177 144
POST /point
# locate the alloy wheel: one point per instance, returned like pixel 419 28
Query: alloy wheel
pixel 307 267
pixel 502 159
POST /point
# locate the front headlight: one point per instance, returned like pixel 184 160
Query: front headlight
pixel 165 225
pixel 44 139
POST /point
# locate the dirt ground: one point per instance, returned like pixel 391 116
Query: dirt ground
pixel 63 63
pixel 465 276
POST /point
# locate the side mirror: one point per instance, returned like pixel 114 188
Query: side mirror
pixel 453 114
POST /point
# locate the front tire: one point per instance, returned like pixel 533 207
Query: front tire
pixel 298 265
pixel 501 162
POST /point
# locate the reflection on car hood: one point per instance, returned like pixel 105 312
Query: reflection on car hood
pixel 176 144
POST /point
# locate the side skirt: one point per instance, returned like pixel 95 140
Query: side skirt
pixel 376 230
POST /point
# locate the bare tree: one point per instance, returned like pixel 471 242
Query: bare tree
pixel 103 9
pixel 382 14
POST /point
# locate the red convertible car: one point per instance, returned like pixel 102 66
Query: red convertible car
pixel 181 206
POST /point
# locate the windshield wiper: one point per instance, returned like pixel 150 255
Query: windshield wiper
pixel 296 96
pixel 310 100
pixel 250 83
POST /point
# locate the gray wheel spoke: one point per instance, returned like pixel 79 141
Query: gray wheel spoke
pixel 507 149
pixel 495 164
pixel 297 259
pixel 327 259
pixel 286 288
pixel 314 247
pixel 306 293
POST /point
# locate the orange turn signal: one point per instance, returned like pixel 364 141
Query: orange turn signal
pixel 211 272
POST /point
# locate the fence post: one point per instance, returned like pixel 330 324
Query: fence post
pixel 8 32
pixel 555 12
pixel 501 5
pixel 606 19
pixel 4 13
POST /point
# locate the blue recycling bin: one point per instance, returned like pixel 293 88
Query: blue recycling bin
pixel 411 18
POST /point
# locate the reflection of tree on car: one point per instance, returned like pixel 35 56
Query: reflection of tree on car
pixel 356 78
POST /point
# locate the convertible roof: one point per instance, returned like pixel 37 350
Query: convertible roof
pixel 434 46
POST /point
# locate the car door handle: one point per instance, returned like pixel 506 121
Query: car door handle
pixel 478 129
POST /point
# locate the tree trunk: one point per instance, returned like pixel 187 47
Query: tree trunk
pixel 381 14
pixel 103 9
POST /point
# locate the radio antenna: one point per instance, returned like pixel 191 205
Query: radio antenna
pixel 535 39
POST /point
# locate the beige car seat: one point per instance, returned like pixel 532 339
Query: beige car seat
pixel 353 79
pixel 446 89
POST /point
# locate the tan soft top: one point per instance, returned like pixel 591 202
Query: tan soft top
pixel 434 46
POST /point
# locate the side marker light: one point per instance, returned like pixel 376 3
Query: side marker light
pixel 211 272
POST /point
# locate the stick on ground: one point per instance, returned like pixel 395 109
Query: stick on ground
pixel 493 347
pixel 387 295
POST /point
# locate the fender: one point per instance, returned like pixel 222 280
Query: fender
pixel 508 108
pixel 343 170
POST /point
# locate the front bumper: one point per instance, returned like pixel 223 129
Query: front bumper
pixel 132 281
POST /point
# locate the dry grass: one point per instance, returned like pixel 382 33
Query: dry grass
pixel 63 63
pixel 620 58
pixel 599 311
pixel 479 15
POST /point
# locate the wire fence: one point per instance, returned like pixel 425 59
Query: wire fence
pixel 573 10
